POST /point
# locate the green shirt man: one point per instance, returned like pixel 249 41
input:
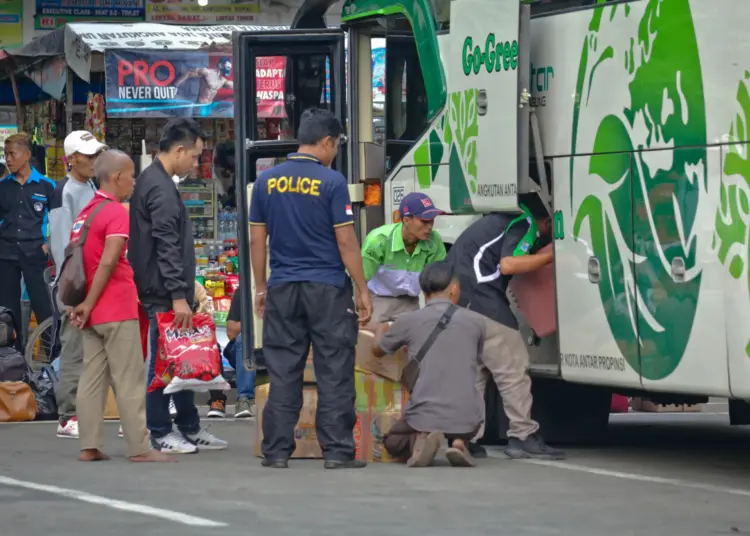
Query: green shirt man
pixel 393 257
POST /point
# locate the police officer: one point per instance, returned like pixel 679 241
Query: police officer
pixel 25 196
pixel 304 207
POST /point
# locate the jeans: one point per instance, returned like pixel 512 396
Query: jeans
pixel 245 378
pixel 158 419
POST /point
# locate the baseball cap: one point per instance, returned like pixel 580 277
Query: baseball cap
pixel 419 206
pixel 81 141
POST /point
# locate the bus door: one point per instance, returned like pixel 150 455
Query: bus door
pixel 268 105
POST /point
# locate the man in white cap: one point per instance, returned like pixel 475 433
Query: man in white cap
pixel 71 196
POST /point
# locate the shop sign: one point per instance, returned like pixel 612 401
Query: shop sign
pixel 186 83
pixel 215 12
pixel 51 14
pixel 11 25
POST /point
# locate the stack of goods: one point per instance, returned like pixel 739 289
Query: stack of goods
pixel 379 403
pixel 94 122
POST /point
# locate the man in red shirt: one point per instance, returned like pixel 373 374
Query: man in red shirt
pixel 109 318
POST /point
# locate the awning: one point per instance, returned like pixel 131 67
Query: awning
pixel 77 41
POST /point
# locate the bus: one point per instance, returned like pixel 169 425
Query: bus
pixel 629 118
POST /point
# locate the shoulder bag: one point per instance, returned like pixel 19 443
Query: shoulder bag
pixel 72 281
pixel 410 374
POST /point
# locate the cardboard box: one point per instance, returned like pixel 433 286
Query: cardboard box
pixel 110 410
pixel 309 376
pixel 379 404
pixel 648 406
pixel 534 293
pixel 389 366
pixel 304 432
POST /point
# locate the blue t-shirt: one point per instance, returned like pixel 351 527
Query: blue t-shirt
pixel 301 202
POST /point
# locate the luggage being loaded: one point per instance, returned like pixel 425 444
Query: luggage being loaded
pixel 534 294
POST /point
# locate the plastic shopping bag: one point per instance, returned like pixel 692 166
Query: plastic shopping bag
pixel 187 360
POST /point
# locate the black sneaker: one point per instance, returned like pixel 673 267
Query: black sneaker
pixel 350 464
pixel 532 447
pixel 275 464
pixel 477 450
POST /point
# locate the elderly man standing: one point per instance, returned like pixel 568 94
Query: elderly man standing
pixel 109 317
pixel 71 196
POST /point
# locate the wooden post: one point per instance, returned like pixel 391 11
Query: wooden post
pixel 69 101
pixel 17 98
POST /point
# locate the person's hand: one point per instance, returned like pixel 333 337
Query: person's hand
pixel 79 315
pixel 183 314
pixel 45 249
pixel 364 307
pixel 260 301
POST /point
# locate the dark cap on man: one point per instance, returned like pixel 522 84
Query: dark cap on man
pixel 419 205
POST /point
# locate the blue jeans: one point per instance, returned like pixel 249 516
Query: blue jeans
pixel 245 378
pixel 158 420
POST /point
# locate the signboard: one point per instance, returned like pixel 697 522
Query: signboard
pixel 185 83
pixel 51 14
pixel 11 26
pixel 215 12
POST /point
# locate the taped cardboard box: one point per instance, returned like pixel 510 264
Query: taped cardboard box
pixel 309 376
pixel 304 433
pixel 388 366
pixel 380 404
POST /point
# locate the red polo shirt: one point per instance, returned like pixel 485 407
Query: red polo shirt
pixel 119 300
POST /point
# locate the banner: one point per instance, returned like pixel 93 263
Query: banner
pixel 215 12
pixel 51 14
pixel 11 25
pixel 186 83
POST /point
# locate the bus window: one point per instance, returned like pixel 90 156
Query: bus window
pixel 441 10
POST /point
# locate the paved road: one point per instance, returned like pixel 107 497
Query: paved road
pixel 655 474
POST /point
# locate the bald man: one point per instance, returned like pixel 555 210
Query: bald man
pixel 112 352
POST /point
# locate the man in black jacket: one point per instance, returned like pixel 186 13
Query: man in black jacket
pixel 162 255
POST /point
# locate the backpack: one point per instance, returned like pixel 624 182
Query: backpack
pixel 13 366
pixel 72 287
pixel 7 329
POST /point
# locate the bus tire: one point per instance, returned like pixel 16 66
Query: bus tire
pixel 566 412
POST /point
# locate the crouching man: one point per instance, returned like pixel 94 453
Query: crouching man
pixel 447 342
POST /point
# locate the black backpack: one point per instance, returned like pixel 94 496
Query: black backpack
pixel 7 330
pixel 13 366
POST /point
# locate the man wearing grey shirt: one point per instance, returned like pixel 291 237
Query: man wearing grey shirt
pixel 71 195
pixel 444 401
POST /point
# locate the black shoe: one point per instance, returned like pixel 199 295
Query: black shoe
pixel 275 464
pixel 532 447
pixel 351 464
pixel 477 450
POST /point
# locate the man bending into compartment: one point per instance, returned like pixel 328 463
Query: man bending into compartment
pixel 486 255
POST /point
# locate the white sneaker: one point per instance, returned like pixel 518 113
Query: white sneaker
pixel 174 443
pixel 119 432
pixel 205 440
pixel 172 408
pixel 69 430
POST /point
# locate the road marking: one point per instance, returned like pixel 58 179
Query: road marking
pixel 169 515
pixel 636 476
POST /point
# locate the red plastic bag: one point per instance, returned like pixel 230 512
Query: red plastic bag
pixel 189 360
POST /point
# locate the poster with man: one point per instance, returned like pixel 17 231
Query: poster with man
pixel 147 83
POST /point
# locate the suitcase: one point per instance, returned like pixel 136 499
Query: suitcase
pixel 534 295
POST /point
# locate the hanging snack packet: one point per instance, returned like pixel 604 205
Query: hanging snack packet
pixel 187 360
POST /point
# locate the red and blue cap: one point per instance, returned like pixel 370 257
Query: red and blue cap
pixel 419 205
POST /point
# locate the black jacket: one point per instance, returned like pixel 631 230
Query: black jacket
pixel 161 249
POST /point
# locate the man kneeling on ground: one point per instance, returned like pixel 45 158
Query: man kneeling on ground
pixel 444 401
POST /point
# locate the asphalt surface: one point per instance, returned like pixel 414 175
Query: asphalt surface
pixel 679 474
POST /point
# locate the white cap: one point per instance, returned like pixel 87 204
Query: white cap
pixel 82 142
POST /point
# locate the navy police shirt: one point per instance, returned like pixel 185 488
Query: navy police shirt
pixel 301 202
pixel 24 216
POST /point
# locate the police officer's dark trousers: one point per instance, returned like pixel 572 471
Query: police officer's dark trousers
pixel 296 315
pixel 32 270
